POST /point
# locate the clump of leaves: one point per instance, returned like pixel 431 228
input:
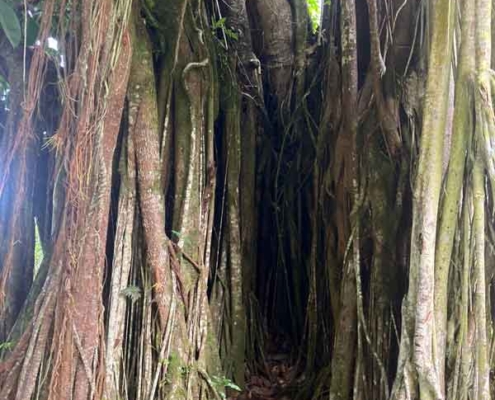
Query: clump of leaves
pixel 314 11
pixel 131 292
pixel 221 24
pixel 220 383
pixel 12 25
pixel 6 346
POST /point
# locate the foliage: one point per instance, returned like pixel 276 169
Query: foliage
pixel 4 91
pixel 32 31
pixel 220 383
pixel 6 346
pixel 221 24
pixel 314 11
pixel 132 292
pixel 38 249
pixel 10 23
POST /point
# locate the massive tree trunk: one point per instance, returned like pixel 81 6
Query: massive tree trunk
pixel 202 178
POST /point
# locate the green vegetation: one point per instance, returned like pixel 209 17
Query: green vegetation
pixel 314 11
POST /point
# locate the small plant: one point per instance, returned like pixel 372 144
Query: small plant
pixel 221 24
pixel 220 383
pixel 185 370
pixel 131 292
pixel 6 346
pixel 186 240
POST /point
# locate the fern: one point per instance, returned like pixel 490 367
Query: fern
pixel 133 293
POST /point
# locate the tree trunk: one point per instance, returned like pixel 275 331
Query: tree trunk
pixel 218 185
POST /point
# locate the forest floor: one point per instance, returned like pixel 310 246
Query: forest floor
pixel 278 375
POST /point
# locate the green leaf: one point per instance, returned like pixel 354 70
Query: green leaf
pixel 219 23
pixel 32 31
pixel 6 346
pixel 224 382
pixel 231 34
pixel 233 386
pixel 10 24
pixel 131 292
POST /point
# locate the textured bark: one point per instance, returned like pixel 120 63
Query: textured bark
pixel 244 124
pixel 345 338
pixel 455 175
pixel 274 45
pixel 426 201
pixel 219 176
pixel 79 326
pixel 83 324
pixel 143 122
pixel 121 267
pixel 233 237
pixel 482 367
